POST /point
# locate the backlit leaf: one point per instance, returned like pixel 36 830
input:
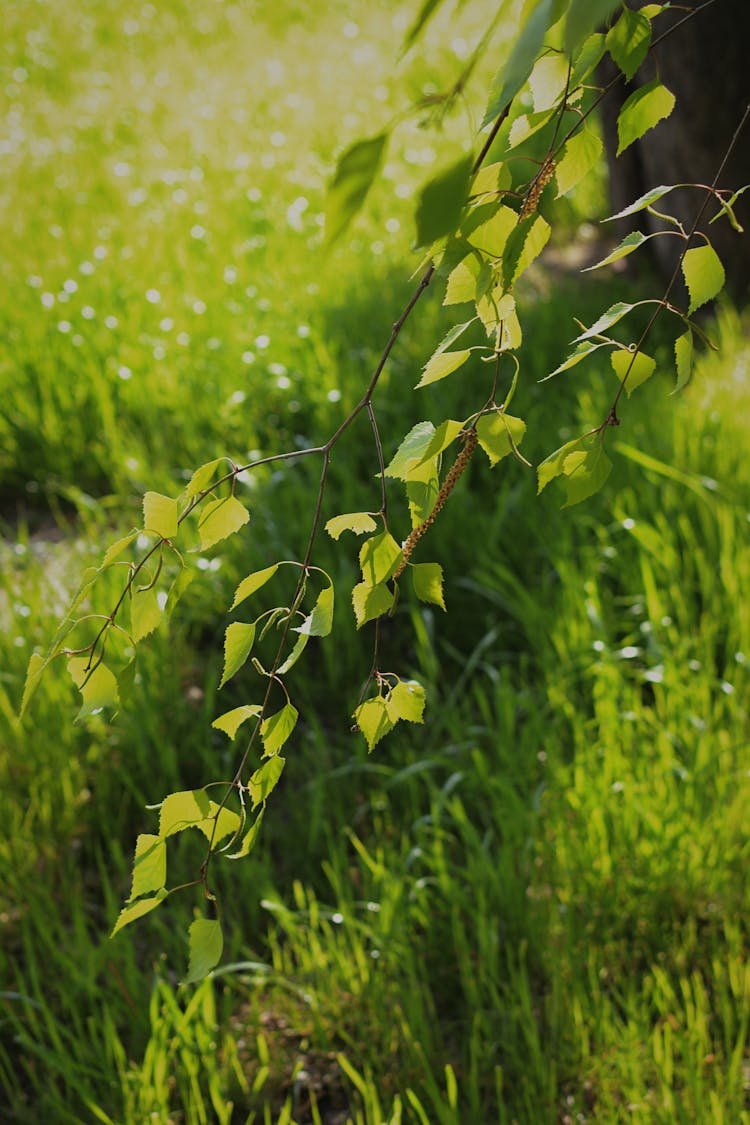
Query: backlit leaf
pixel 552 466
pixel 206 943
pixel 683 352
pixel 238 643
pixel 137 910
pixel 547 81
pixel 177 589
pixel 606 320
pixel 630 243
pixel 524 245
pixel 320 621
pixel 427 579
pixel 628 41
pixel 355 172
pixel 248 840
pixel 117 548
pixel 579 155
pixel 423 16
pixel 645 108
pixel 185 809
pixel 442 200
pixel 463 281
pixel 370 602
pixel 298 648
pixel 98 688
pixel 252 583
pixel 149 865
pixel 34 672
pixel 584 17
pixel 160 514
pixel 637 365
pixel 641 203
pixel 378 558
pixel 201 478
pixel 358 522
pixel 265 779
pixel 373 720
pixel 410 452
pixel 498 432
pixel 441 365
pixel 444 435
pixel 585 348
pixel 704 275
pixel 145 613
pixel 219 519
pixel 492 179
pixel 276 729
pixel 585 473
pixel 422 489
pixel 406 701
pixel 517 68
pixel 527 124
pixel 587 58
pixel 492 236
pixel 231 721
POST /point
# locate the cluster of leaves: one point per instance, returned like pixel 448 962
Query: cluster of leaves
pixel 482 221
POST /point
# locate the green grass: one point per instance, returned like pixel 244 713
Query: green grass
pixel 533 909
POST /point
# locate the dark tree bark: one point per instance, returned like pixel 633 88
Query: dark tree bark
pixel 705 64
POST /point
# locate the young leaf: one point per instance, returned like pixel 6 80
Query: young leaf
pixel 201 478
pixel 409 454
pixel 219 519
pixel 442 200
pixel 149 865
pixel 238 643
pixel 422 490
pixel 231 721
pixel 177 589
pixel 265 779
pixel 463 281
pixel 490 237
pixel 34 672
pixel 427 579
pixel 137 910
pixel 579 155
pixel 378 558
pixel 358 522
pixel 586 473
pixel 320 621
pixel 206 943
pixel 628 41
pixel 252 583
pixel 370 602
pixel 298 648
pixel 585 16
pixel 248 840
pixel 492 179
pixel 638 366
pixel 683 353
pixel 98 688
pixel 588 57
pixel 160 515
pixel 185 809
pixel 517 68
pixel 444 435
pixel 145 613
pixel 645 108
pixel 630 243
pixel 406 701
pixel 704 275
pixel 586 347
pixel 276 729
pixel 355 172
pixel 527 124
pixel 524 245
pixel 372 719
pixel 441 365
pixel 606 320
pixel 643 201
pixel 117 548
pixel 552 466
pixel 547 81
pixel 498 432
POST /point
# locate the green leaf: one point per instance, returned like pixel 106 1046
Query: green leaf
pixel 373 720
pixel 584 17
pixel 206 943
pixel 238 643
pixel 547 81
pixel 370 602
pixel 219 519
pixel 34 673
pixel 491 237
pixel 299 647
pixel 586 347
pixel 630 243
pixel 498 433
pixel 248 840
pixel 231 721
pixel 427 579
pixel 704 275
pixel 645 108
pixel 441 365
pixel 492 179
pixel 552 466
pixel 378 558
pixel 637 365
pixel 642 202
pixel 160 515
pixel 265 779
pixel 424 15
pixel 683 353
pixel 587 59
pixel 628 41
pixel 186 809
pixel 524 245
pixel 355 172
pixel 406 701
pixel 517 68
pixel 201 478
pixel 99 688
pixel 422 490
pixel 252 583
pixel 358 522
pixel 137 910
pixel 149 865
pixel 145 613
pixel 442 200
pixel 411 450
pixel 177 589
pixel 117 548
pixel 468 280
pixel 579 155
pixel 586 473
pixel 527 124
pixel 444 435
pixel 606 320
pixel 277 728
pixel 320 621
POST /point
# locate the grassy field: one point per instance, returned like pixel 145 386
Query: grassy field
pixel 534 908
